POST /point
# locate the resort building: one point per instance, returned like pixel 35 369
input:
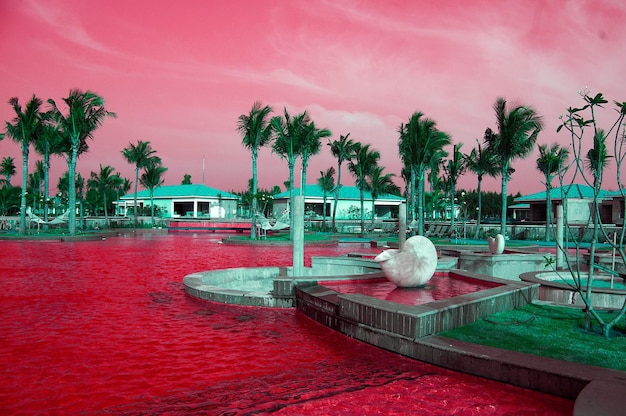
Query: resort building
pixel 183 201
pixel 386 206
pixel 577 207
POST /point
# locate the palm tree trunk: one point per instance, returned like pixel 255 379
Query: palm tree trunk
pixel 362 197
pixel 72 187
pixel 46 186
pixel 254 201
pixel 135 198
pixel 324 212
pixel 420 204
pixel 503 211
pixel 152 207
pixel 106 216
pixel 305 165
pixel 22 228
pixel 336 196
pixel 452 210
pixel 291 200
pixel 480 208
pixel 412 197
pixel 548 213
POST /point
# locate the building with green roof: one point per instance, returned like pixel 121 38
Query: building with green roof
pixel 348 206
pixel 183 201
pixel 579 198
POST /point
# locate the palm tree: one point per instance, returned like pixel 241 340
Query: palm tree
pixel 311 145
pixel 481 163
pixel 288 135
pixel 326 182
pixel 103 182
pixel 9 199
pixel 141 155
pixel 342 150
pixel 186 179
pixel 551 161
pixel 151 178
pixel 85 114
pixel 516 135
pixel 379 184
pixel 255 133
pixel 361 165
pixel 24 129
pixel 48 143
pixel 7 169
pixel 454 168
pixel 419 142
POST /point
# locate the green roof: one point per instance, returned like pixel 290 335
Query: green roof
pixel 183 191
pixel 345 192
pixel 575 191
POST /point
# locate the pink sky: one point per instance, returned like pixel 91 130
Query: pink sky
pixel 179 74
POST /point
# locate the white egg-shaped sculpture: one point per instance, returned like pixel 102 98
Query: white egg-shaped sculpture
pixel 496 245
pixel 412 266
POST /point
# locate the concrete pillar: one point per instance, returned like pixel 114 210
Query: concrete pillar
pixel 560 250
pixel 401 225
pixel 298 235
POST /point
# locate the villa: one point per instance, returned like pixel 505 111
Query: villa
pixel 348 204
pixel 183 201
pixel 578 204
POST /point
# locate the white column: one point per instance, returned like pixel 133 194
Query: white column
pixel 560 250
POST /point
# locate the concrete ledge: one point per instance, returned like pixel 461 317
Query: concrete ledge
pixel 601 397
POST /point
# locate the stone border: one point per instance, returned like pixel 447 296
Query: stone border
pixel 562 294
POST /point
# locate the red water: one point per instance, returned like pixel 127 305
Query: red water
pixel 104 327
pixel 440 286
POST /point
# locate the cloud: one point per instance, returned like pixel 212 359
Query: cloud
pixel 65 23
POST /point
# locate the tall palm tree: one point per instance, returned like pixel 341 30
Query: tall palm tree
pixel 48 143
pixel 151 178
pixel 481 163
pixel 454 168
pixel 311 145
pixel 551 161
pixel 288 133
pixel 361 165
pixel 342 150
pixel 7 169
pixel 419 142
pixel 379 184
pixel 24 129
pixel 85 113
pixel 326 182
pixel 142 155
pixel 103 182
pixel 515 138
pixel 255 131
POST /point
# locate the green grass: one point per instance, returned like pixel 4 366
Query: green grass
pixel 548 331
